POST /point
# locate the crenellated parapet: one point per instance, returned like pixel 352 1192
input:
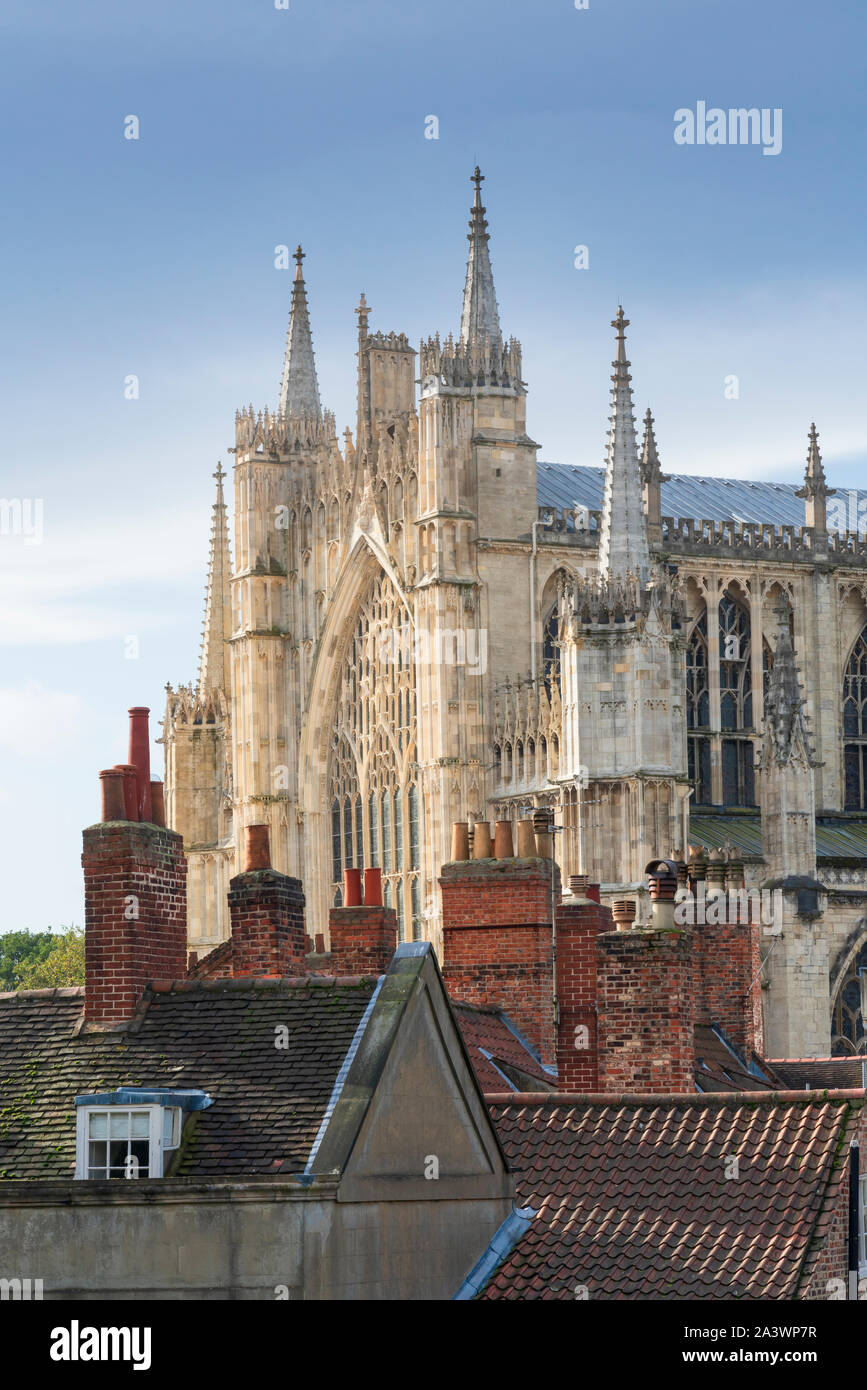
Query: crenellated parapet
pixel 277 435
pixel 478 363
pixel 607 600
pixel 187 706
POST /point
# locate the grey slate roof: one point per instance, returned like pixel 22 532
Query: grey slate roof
pixel 216 1035
pixel 685 496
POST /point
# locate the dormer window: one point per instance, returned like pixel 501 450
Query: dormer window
pixel 132 1132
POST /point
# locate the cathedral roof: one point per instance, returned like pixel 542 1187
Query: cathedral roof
pixel 688 496
pixel 838 837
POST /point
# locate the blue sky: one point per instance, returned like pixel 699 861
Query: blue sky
pixel 261 127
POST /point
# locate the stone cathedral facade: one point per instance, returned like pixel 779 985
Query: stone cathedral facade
pixel 421 623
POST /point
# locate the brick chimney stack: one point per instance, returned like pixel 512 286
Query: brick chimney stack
pixel 727 954
pixel 645 998
pixel 363 935
pixel 579 922
pixel 497 931
pixel 266 910
pixel 135 891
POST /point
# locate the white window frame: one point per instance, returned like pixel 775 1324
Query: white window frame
pixel 157 1146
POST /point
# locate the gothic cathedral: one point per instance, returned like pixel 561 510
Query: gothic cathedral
pixel 425 625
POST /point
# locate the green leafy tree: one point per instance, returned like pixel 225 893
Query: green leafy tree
pixel 19 950
pixel 62 966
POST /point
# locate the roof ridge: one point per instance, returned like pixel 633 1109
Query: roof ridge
pixel 51 992
pixel 703 1098
pixel 242 982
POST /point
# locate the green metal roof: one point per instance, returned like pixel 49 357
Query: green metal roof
pixel 837 837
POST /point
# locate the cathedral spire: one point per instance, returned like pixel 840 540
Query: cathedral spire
pixel 650 470
pixel 299 390
pixel 623 544
pixel 815 490
pixel 214 663
pixel 480 319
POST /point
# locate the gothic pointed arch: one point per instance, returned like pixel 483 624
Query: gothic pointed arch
pixel 848 1024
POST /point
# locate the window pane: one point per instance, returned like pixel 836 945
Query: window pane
pixel 359 835
pixel 140 1124
pixel 118 1125
pixel 99 1125
pixel 96 1155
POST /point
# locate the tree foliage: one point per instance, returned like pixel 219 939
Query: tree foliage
pixel 42 960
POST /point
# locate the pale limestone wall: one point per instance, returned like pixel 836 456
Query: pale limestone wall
pixel 238 1241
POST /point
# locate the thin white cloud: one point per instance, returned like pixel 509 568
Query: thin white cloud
pixel 35 721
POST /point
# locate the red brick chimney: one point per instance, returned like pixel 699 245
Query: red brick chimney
pixel 135 892
pixel 645 998
pixel 580 920
pixel 498 939
pixel 363 935
pixel 726 930
pixel 267 914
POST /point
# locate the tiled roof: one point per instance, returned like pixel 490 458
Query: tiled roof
pixel 821 1073
pixel 688 496
pixel 837 837
pixel 633 1199
pixel 718 1067
pixel 218 1036
pixel 500 1056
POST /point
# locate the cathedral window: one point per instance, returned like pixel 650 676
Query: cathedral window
pixel 373 792
pixel 855 727
pixel 736 687
pixel 398 829
pixel 373 830
pixel 551 651
pixel 731 744
pixel 847 1021
pixel 336 856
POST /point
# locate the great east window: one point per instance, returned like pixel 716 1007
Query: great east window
pixel 376 814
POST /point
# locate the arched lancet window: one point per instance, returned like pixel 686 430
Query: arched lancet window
pixel 855 727
pixel 736 703
pixel 847 1021
pixel 698 712
pixel 551 650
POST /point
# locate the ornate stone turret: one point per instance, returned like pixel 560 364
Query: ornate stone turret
pixel 623 547
pixel 815 490
pixel 299 390
pixel 214 668
pixel 652 479
pixel 480 320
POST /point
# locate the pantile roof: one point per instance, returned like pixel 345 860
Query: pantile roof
pixel 220 1036
pixel 498 1052
pixel 634 1201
